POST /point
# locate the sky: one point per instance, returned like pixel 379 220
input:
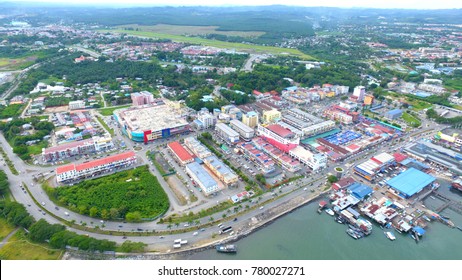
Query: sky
pixel 405 4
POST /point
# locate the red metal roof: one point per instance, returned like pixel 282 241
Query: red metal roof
pixel 279 130
pixel 65 168
pixel 399 157
pixel 105 160
pixel 180 151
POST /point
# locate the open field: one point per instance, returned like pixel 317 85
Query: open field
pixel 19 248
pixel 190 30
pixel 5 228
pixel 103 123
pixel 109 111
pixel 16 63
pixel 214 43
pixel 411 120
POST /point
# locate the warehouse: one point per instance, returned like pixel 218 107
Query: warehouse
pixel 410 182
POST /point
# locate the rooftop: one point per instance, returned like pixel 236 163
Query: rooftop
pixel 205 179
pixel 180 151
pixel 281 131
pixel 410 181
pixel 95 163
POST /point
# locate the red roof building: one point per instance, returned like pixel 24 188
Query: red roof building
pixel 281 131
pixel 183 156
pixel 74 172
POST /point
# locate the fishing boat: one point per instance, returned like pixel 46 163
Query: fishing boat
pixel 352 233
pixel 389 235
pixel 230 248
pixel 329 212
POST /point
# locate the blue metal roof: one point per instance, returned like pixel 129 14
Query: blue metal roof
pixel 410 182
pixel 359 190
pixel 206 180
pixel 419 230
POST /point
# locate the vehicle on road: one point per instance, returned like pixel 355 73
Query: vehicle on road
pixel 43 203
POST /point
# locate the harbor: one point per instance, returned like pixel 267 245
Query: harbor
pixel 318 236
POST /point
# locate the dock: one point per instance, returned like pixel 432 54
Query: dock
pixel 456 206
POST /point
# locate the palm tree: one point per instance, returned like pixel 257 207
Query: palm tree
pixel 224 216
pixel 197 222
pixel 177 224
pixel 169 226
pixel 211 219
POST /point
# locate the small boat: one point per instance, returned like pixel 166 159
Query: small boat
pixel 445 217
pixel 426 218
pixel 319 211
pixel 389 235
pixel 459 228
pixel 330 212
pixel 322 204
pixel 352 233
pixel 339 220
pixel 230 248
pixel 432 197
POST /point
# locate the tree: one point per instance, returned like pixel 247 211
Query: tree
pixel 332 179
pixel 177 224
pixel 133 216
pixel 4 184
pixel 42 230
pixel 93 211
pixel 132 247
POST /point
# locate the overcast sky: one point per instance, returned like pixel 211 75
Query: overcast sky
pixel 407 4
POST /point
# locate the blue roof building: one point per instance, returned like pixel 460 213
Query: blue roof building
pixel 359 190
pixel 393 114
pixel 202 178
pixel 410 182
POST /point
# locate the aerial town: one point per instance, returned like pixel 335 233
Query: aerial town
pixel 145 144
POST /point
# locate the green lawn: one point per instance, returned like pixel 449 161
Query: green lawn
pixel 5 228
pixel 110 111
pixel 37 148
pixel 103 123
pixel 214 43
pixel 411 120
pixel 419 105
pixel 19 248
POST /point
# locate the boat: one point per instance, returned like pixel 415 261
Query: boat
pixel 457 184
pixel 432 197
pixel 426 218
pixel 340 220
pixel 389 235
pixel 445 217
pixel 322 204
pixel 230 248
pixel 459 228
pixel 353 233
pixel 330 212
pixel 319 211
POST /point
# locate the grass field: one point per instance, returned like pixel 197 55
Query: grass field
pixel 190 30
pixel 37 148
pixel 109 111
pixel 16 63
pixel 5 228
pixel 103 123
pixel 411 120
pixel 19 248
pixel 214 43
pixel 418 105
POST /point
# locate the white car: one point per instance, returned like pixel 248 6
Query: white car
pixel 43 203
pixel 195 233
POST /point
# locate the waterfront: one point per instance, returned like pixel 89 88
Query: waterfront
pixel 304 234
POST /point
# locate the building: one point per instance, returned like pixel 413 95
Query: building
pixel 369 169
pixel 221 170
pixel 246 132
pixel 76 105
pixel 250 119
pixel 205 120
pixel 77 148
pixel 202 178
pixel 280 137
pixel 410 182
pixel 393 114
pixel 142 98
pixel 227 133
pixel 271 116
pixel 196 147
pixel 358 94
pixel 73 172
pixel 265 163
pixel 368 99
pixel 181 154
pixel 343 183
pixel 150 122
pixel 314 161
pixel 278 155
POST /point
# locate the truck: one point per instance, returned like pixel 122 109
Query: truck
pixel 177 241
pixel 183 242
pixel 225 230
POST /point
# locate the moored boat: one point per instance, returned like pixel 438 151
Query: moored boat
pixel 230 248
pixel 330 212
pixel 389 235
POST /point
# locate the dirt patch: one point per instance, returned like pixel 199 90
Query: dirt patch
pixel 57 109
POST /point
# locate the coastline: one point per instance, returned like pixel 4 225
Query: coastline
pixel 257 222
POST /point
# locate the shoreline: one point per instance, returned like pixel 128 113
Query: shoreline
pixel 257 222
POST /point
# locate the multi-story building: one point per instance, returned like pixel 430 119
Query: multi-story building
pixel 76 105
pixel 205 120
pixel 358 94
pixel 181 154
pixel 202 178
pixel 227 133
pixel 73 172
pixel 250 119
pixel 314 161
pixel 87 146
pixel 271 116
pixel 244 131
pixel 279 136
pixel 196 147
pixel 150 122
pixel 265 163
pixel 142 98
pixel 368 99
pixel 221 170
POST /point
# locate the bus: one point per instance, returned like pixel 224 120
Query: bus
pixel 225 230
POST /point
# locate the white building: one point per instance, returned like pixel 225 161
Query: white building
pixel 227 133
pixel 205 120
pixel 314 161
pixel 76 105
pixel 244 131
pixel 202 178
pixel 359 93
pixel 72 172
